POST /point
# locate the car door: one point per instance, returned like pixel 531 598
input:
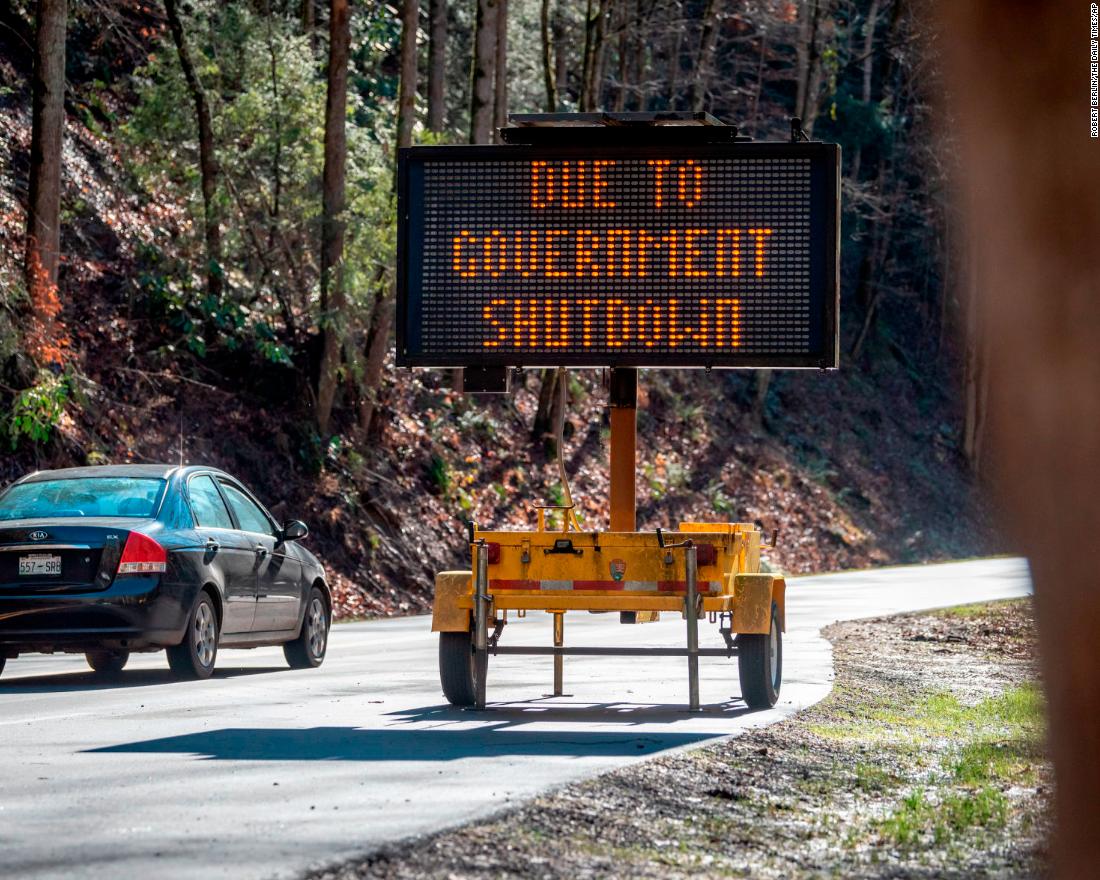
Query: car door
pixel 226 551
pixel 278 574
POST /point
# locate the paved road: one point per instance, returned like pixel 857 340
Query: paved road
pixel 263 772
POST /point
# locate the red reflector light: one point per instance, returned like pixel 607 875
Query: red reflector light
pixel 142 555
pixel 706 554
pixel 494 552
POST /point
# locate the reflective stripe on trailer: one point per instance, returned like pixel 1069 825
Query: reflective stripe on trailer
pixel 504 584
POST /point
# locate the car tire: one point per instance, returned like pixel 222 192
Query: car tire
pixel 458 668
pixel 107 662
pixel 308 650
pixel 194 657
pixel 760 664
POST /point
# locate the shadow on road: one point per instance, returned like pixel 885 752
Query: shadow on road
pixel 91 681
pixel 388 744
pixel 552 709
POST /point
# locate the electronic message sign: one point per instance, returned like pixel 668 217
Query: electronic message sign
pixel 710 255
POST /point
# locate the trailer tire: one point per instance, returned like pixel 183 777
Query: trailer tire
pixel 760 664
pixel 458 668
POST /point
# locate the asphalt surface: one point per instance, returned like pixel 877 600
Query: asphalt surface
pixel 265 772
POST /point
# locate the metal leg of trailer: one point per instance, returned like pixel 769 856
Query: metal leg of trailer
pixel 691 609
pixel 559 662
pixel 481 613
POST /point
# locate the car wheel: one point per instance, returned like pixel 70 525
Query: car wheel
pixel 308 650
pixel 194 657
pixel 107 662
pixel 760 664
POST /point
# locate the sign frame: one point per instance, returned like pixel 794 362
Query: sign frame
pixel 824 249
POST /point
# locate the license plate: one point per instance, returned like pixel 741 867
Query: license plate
pixel 39 564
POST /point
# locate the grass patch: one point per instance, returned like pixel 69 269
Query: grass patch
pixel 1017 712
pixel 982 609
pixel 943 816
pixel 990 746
pixel 1009 743
pixel 873 778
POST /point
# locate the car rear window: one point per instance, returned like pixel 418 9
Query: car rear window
pixel 84 496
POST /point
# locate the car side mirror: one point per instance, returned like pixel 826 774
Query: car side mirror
pixel 295 530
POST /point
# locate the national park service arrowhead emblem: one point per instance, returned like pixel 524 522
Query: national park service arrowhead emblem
pixel 618 569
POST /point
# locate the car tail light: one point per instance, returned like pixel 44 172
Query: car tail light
pixel 142 555
pixel 494 552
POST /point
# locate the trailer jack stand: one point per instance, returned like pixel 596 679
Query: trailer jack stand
pixel 559 660
pixel 691 613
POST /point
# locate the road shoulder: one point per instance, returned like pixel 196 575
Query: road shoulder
pixel 925 761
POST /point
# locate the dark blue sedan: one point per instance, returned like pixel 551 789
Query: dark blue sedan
pixel 110 560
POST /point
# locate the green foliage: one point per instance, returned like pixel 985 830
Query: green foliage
pixel 921 816
pixel 439 472
pixel 266 90
pixel 719 501
pixel 999 745
pixel 856 124
pixel 37 411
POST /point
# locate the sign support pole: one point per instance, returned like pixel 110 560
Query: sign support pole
pixel 624 425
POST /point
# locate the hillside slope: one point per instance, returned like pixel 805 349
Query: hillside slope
pixel 854 468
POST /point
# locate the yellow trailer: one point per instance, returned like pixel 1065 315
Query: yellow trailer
pixel 710 570
pixel 704 570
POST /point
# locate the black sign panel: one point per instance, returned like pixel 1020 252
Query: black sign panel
pixel 701 256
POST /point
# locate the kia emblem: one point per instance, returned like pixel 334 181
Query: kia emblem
pixel 39 535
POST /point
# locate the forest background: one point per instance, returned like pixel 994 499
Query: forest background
pixel 197 262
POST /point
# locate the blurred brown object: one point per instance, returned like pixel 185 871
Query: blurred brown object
pixel 1018 84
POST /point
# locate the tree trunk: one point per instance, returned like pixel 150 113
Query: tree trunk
pixel 208 163
pixel 976 374
pixel 759 87
pixel 333 203
pixel 549 79
pixel 676 42
pixel 381 320
pixel 704 58
pixel 437 63
pixel 760 396
pixel 595 29
pixel 623 58
pixel 809 71
pixel 640 98
pixel 586 55
pixel 561 56
pixel 1033 212
pixel 543 426
pixel 868 74
pixel 600 54
pixel 406 89
pixel 308 16
pixel 481 72
pixel 43 242
pixel 500 80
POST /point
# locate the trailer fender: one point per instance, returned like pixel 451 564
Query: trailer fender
pixel 447 616
pixel 752 603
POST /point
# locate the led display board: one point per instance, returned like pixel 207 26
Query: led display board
pixel 709 255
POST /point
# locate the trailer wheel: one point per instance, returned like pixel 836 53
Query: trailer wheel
pixel 458 668
pixel 760 665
